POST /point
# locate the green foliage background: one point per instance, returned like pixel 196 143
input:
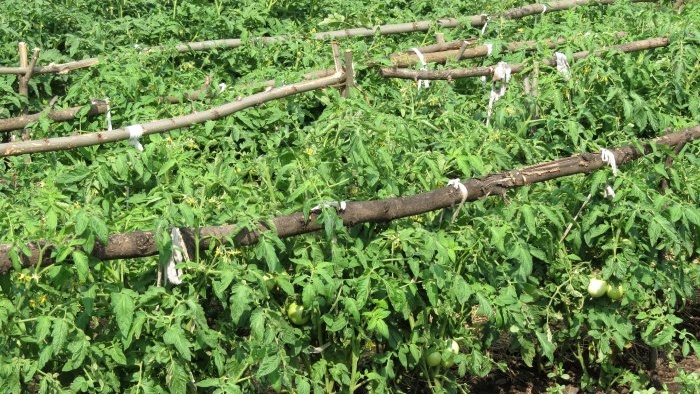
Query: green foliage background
pixel 378 296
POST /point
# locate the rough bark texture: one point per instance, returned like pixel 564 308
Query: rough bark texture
pixel 404 73
pixel 399 28
pixel 57 116
pixel 441 53
pixel 62 68
pixel 163 125
pixel 142 243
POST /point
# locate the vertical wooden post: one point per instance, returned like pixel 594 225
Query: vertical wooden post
pixel 349 74
pixel 23 63
pixel 336 55
pixel 24 78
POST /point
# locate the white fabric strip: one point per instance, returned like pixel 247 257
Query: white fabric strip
pixel 108 116
pixel 179 254
pixel 483 28
pixel 609 157
pixel 458 185
pixel 338 205
pixel 562 65
pixel 135 132
pixel 501 76
pixel 424 66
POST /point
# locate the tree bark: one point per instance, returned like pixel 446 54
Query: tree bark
pixel 62 68
pixel 404 73
pixel 399 28
pixel 163 125
pixel 142 243
pixel 57 116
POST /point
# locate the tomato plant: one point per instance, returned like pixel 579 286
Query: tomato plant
pixel 434 300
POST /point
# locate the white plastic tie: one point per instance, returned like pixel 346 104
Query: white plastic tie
pixel 222 87
pixel 135 132
pixel 544 9
pixel 501 76
pixel 179 254
pixel 483 28
pixel 458 185
pixel 424 66
pixel 609 157
pixel 108 116
pixel 489 49
pixel 562 65
pixel 338 205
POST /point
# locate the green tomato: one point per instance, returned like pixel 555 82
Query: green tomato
pixel 615 292
pixel 452 351
pixel 597 287
pixel 269 281
pixel 296 315
pixel 433 359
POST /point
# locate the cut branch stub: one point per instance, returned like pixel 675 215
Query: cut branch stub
pixel 142 243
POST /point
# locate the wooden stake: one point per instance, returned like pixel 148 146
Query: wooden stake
pixel 349 74
pixel 23 63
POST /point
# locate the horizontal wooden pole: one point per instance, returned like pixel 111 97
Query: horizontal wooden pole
pixel 59 115
pixel 62 68
pixel 405 73
pixel 163 125
pixel 400 28
pixel 143 243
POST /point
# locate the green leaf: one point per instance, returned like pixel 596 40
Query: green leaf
pixel 59 334
pixel 529 217
pixel 51 220
pixel 176 336
pixel 209 382
pixel 268 364
pixel 123 308
pixel 177 378
pixel 257 323
pixel 352 309
pixel 303 386
pixel 527 351
pixel 363 289
pixel 79 349
pixel 116 353
pixel 43 325
pixel 220 286
pixel 44 356
pixel 80 261
pixel 547 346
pixel 100 228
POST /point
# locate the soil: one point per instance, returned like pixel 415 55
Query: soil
pixel 530 381
pixel 661 375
